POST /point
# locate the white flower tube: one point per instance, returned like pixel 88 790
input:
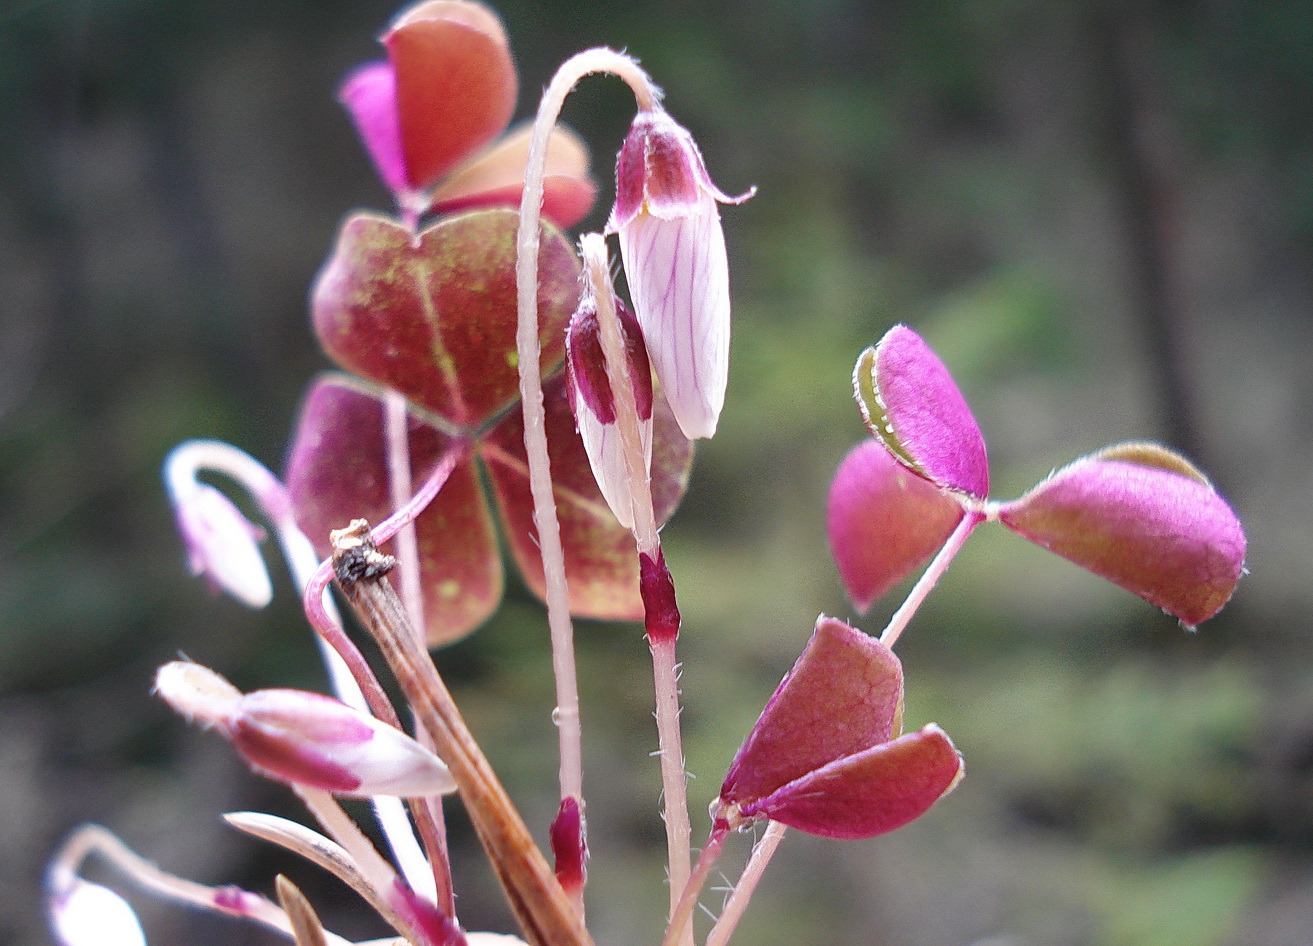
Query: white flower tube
pixel 673 249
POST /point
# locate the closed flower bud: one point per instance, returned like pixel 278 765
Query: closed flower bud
pixel 591 399
pixel 87 914
pixel 673 249
pixel 305 738
pixel 222 543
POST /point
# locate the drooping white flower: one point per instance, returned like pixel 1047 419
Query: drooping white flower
pixel 673 249
pixel 222 544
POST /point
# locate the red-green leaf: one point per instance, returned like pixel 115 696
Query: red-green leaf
pixel 337 471
pixel 433 315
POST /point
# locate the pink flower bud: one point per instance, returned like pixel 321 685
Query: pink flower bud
pixel 87 914
pixel 589 390
pixel 673 249
pixel 569 840
pixel 304 738
pixel 222 543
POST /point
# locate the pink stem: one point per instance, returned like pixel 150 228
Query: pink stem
pixel 743 890
pixel 680 920
pixel 930 577
pixel 661 613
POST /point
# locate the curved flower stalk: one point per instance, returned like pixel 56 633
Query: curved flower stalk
pixel 86 914
pixel 429 116
pixel 222 544
pixel 1137 514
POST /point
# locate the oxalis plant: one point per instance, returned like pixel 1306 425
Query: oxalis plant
pixel 479 345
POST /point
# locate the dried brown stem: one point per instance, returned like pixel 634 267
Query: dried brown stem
pixel 543 909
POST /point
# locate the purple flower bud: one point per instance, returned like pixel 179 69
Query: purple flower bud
pixel 569 840
pixel 913 406
pixel 222 543
pixel 304 738
pixel 673 249
pixel 1142 517
pixel 589 390
pixel 87 914
pixel 825 756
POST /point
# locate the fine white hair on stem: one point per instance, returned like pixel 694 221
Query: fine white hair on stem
pixel 530 368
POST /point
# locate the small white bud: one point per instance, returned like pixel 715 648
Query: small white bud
pixel 87 914
pixel 222 544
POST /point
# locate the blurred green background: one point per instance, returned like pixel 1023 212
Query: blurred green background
pixel 1099 213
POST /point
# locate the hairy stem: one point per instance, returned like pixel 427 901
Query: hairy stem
pixel 531 396
pixel 747 884
pixel 661 640
pixel 681 926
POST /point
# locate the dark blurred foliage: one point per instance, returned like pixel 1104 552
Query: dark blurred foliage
pixel 1099 213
